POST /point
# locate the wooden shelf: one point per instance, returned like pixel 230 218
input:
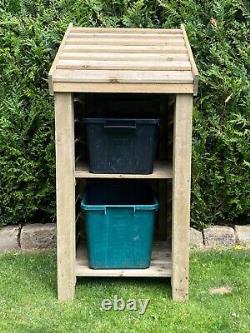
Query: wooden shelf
pixel 161 265
pixel 162 170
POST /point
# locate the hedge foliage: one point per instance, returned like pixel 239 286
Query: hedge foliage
pixel 30 32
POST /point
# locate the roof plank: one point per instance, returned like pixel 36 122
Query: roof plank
pixel 125 35
pixel 103 87
pixel 124 41
pixel 123 76
pixel 123 57
pixel 112 64
pixel 125 48
pixel 126 30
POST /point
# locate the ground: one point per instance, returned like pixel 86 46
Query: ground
pixel 219 298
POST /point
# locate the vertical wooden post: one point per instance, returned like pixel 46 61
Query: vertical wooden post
pixel 181 195
pixel 65 195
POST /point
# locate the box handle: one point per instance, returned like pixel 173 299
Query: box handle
pixel 116 124
pixel 131 207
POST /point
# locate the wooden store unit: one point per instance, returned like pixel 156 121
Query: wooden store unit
pixel 96 62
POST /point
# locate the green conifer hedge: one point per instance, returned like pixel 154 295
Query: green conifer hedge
pixel 30 32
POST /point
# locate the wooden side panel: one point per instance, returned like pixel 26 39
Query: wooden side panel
pixel 163 155
pixel 65 190
pixel 191 59
pixel 162 232
pixel 181 195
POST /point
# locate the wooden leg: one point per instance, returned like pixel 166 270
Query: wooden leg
pixel 65 195
pixel 181 195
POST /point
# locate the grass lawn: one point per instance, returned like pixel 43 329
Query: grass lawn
pixel 28 298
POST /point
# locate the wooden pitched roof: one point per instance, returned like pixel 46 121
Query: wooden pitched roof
pixel 124 60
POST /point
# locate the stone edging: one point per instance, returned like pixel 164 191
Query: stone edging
pixel 28 237
pixel 43 236
pixel 220 236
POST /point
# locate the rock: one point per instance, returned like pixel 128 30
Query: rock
pixel 221 290
pixel 38 236
pixel 9 238
pixel 218 236
pixel 242 234
pixel 196 238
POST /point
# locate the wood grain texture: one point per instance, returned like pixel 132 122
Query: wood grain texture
pixel 125 49
pixel 125 35
pixel 162 230
pixel 53 67
pixel 122 76
pixel 191 59
pixel 109 51
pixel 112 87
pixel 124 41
pixel 162 170
pixel 124 56
pixel 124 61
pixel 124 65
pixel 181 195
pixel 126 30
pixel 65 195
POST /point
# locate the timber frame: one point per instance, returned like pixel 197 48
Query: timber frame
pixel 121 60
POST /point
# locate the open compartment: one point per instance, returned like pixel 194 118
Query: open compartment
pixel 161 252
pixel 140 108
pixel 152 106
